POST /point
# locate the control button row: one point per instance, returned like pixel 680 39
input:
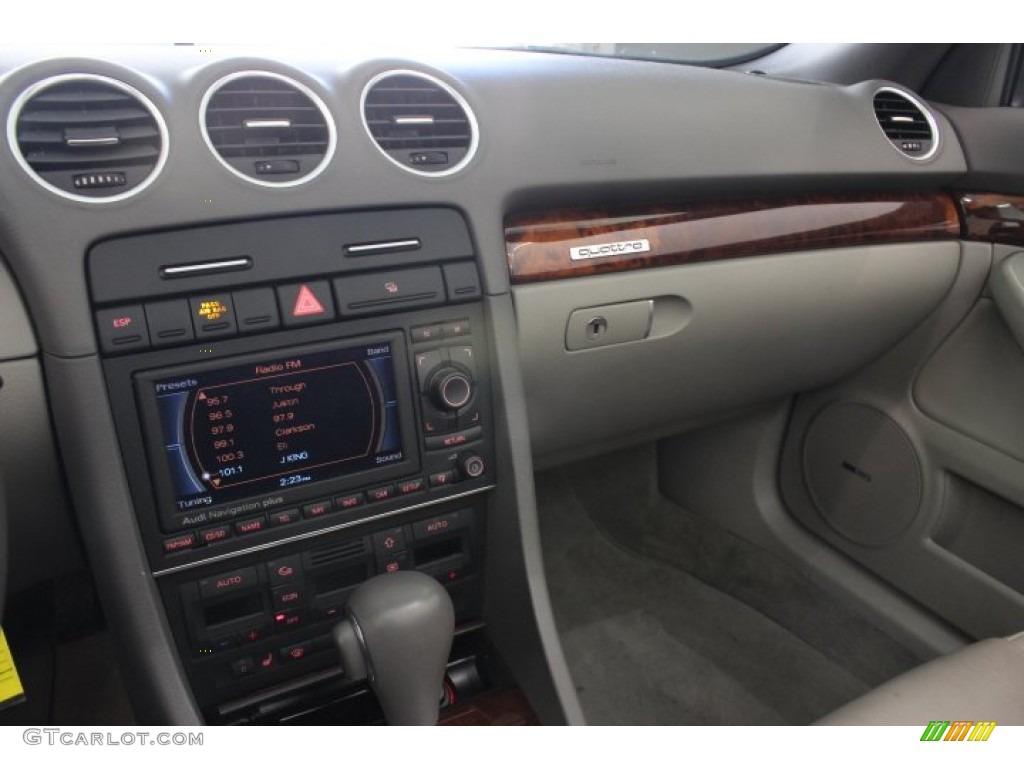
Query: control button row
pixel 188 540
pixel 422 334
pixel 213 316
pixel 221 315
pixel 251 665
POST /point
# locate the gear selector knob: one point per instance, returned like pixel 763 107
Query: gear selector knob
pixel 397 633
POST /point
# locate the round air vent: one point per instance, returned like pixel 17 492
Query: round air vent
pixel 267 128
pixel 88 137
pixel 420 123
pixel 907 123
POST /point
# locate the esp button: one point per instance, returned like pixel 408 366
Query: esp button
pixel 122 329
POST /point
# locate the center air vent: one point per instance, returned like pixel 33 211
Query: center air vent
pixel 907 123
pixel 268 128
pixel 88 137
pixel 419 122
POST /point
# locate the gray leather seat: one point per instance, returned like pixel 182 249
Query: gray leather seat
pixel 985 681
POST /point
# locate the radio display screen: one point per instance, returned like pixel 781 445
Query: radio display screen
pixel 274 423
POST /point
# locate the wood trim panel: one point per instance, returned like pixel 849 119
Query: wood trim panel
pixel 993 217
pixel 538 244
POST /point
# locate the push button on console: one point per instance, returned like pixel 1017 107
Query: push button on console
pixel 256 310
pixel 252 525
pixel 228 582
pixel 306 303
pixel 287 597
pixel 284 571
pixel 213 316
pixel 317 508
pixel 345 503
pixel 435 526
pixel 179 543
pixel 169 322
pixel 383 493
pixel 389 541
pixel 215 535
pixel 284 517
pixel 122 329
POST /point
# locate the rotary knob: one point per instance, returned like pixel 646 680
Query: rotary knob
pixel 450 388
pixel 471 465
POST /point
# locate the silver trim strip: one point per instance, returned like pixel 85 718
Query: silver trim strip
pixel 190 269
pixel 102 141
pixel 321 531
pixel 332 132
pixel 414 120
pixel 281 123
pixel 932 124
pixel 28 93
pixel 384 246
pixel 474 127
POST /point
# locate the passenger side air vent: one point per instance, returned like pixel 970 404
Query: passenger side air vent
pixel 420 123
pixel 88 137
pixel 268 128
pixel 907 123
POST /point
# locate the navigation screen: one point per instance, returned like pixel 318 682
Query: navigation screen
pixel 273 424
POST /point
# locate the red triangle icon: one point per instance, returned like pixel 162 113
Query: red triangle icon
pixel 306 303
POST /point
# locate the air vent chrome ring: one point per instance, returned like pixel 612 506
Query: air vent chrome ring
pixel 35 89
pixel 332 137
pixel 925 112
pixel 454 94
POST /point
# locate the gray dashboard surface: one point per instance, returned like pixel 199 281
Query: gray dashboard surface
pixel 553 129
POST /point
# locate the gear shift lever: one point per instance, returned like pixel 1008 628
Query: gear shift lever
pixel 397 633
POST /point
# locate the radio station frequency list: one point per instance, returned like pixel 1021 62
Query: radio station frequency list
pixel 284 422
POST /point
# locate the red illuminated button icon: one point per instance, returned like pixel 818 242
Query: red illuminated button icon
pixel 296 652
pixel 391 286
pixel 349 502
pixel 392 567
pixel 284 571
pixel 179 543
pixel 267 660
pixel 317 509
pixel 286 597
pixel 306 303
pixel 253 634
pixel 122 328
pixel 386 543
pixel 215 535
pixel 288 619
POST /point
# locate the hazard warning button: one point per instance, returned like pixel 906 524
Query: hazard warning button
pixel 306 303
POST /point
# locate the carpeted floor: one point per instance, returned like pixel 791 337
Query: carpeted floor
pixel 646 600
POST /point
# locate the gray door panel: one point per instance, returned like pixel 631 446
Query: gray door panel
pixel 943 412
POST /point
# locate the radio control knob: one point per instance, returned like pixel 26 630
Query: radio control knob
pixel 471 465
pixel 450 389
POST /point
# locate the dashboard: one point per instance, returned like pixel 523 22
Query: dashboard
pixel 300 320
